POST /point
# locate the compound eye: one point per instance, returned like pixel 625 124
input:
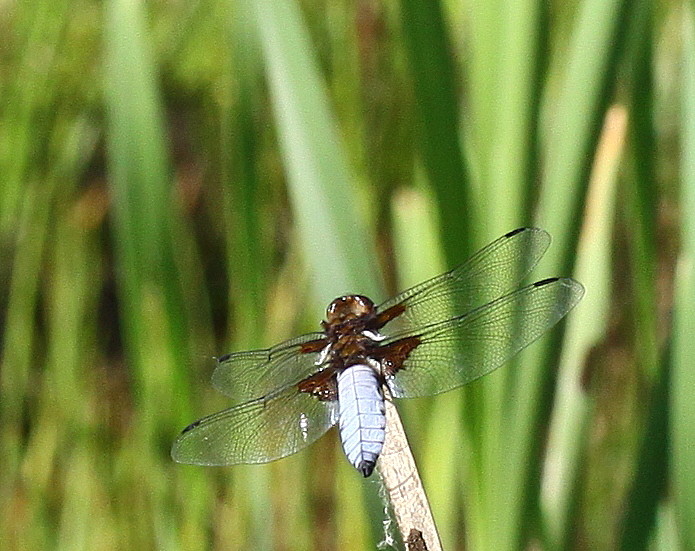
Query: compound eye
pixel 335 307
pixel 361 305
pixel 348 307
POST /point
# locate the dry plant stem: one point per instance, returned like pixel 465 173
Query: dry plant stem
pixel 397 469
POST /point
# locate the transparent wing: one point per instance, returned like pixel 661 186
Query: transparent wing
pixel 457 351
pixel 256 432
pixel 491 272
pixel 244 376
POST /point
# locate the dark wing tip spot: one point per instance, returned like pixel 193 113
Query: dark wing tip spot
pixel 223 358
pixel 514 232
pixel 546 281
pixel 523 229
pixel 190 427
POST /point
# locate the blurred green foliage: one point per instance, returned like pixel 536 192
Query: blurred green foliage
pixel 184 179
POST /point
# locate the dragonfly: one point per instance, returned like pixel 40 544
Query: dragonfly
pixel 429 339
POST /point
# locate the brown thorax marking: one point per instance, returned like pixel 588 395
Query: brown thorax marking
pixel 352 337
pixel 347 319
pixel 392 356
pixel 322 385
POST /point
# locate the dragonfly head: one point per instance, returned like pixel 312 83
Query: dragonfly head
pixel 348 308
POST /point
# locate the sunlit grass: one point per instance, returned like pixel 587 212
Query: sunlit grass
pixel 183 180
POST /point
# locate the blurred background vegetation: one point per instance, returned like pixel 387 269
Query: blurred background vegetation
pixel 184 179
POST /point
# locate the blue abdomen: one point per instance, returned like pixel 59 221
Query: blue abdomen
pixel 362 419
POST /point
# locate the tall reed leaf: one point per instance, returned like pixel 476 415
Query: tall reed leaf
pixel 683 462
pixel 336 243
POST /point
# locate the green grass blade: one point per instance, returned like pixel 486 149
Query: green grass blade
pixel 587 85
pixel 588 81
pixel 144 215
pixel 683 421
pixel 434 78
pixel 32 41
pixel 650 480
pixel 642 197
pixel 153 310
pixel 245 189
pixel 138 161
pixel 573 408
pixel 336 245
pixel 483 44
pixel 512 169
